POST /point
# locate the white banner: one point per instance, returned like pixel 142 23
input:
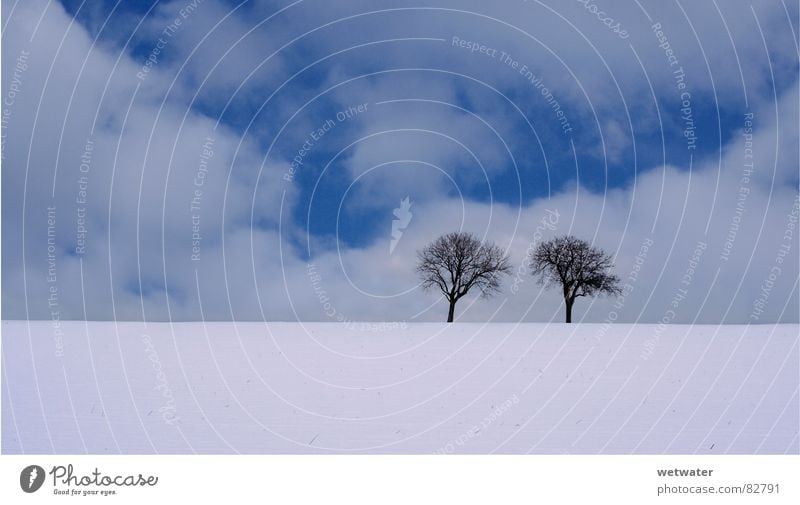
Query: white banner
pixel 400 479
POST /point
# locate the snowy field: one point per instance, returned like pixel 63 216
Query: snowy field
pixel 418 388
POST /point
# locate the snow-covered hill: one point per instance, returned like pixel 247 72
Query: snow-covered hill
pixel 105 387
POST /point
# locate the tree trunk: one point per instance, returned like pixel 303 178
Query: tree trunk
pixel 568 304
pixel 452 311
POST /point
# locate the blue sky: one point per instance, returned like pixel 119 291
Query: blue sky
pixel 466 135
pixel 716 121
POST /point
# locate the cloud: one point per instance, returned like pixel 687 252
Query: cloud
pixel 188 214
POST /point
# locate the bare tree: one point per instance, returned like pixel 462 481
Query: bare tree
pixel 580 269
pixel 457 262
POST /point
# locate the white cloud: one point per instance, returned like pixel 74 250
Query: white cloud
pixel 140 223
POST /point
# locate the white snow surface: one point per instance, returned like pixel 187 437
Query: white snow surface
pixel 106 387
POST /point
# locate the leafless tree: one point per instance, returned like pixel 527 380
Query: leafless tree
pixel 580 269
pixel 457 262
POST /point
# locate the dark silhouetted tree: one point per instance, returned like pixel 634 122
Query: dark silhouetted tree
pixel 457 262
pixel 580 269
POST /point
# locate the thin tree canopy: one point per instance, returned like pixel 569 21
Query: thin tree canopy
pixel 458 262
pixel 580 269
